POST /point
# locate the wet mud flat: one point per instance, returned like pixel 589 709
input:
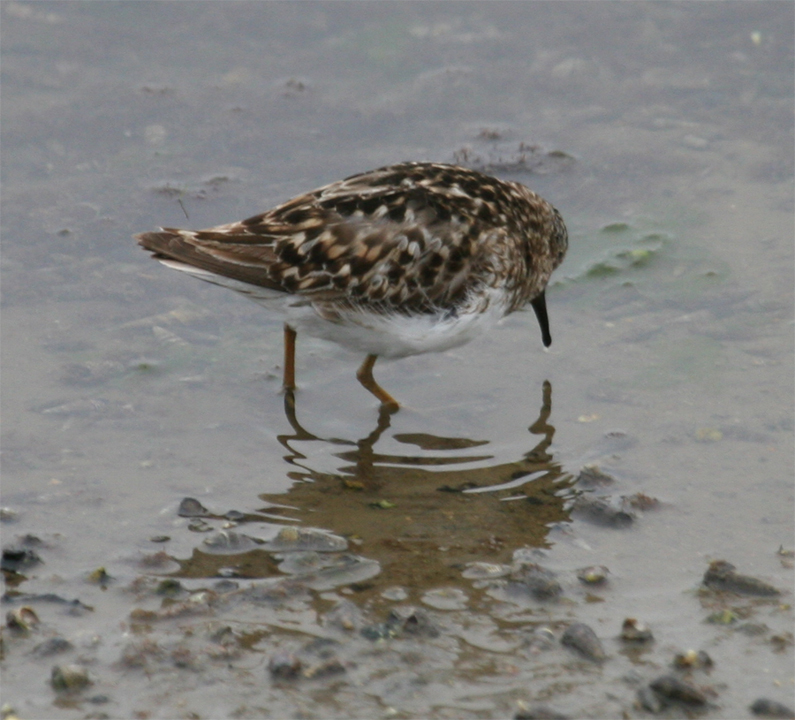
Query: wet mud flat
pixel 413 570
pixel 271 617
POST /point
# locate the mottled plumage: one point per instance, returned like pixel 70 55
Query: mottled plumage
pixel 405 259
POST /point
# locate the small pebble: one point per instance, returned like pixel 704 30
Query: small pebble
pixel 228 542
pixel 446 599
pixel 332 666
pixel 634 631
pixel 379 631
pixel 22 620
pixel 671 687
pixel 593 575
pixel 192 508
pixel 723 617
pixel 693 660
pixel 225 586
pixel 772 709
pixel 649 700
pixel 395 593
pixel 721 575
pixel 583 639
pixel 284 666
pixel 402 621
pixel 413 621
pixel 539 712
pixel 68 678
pixel 170 587
pixel 753 629
pixel 17 558
pixel 600 512
pixel 303 562
pixel 639 501
pixel 485 571
pixel 592 477
pixel 52 646
pixel 344 616
pixel 291 539
pixel 224 636
pixel 541 639
pixel 200 526
pixel 7 515
pixel 100 577
pixel 535 580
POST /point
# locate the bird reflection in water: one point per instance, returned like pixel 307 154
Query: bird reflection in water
pixel 421 519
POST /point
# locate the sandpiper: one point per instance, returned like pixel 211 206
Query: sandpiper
pixel 410 258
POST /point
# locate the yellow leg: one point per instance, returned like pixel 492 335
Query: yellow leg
pixel 365 376
pixel 289 358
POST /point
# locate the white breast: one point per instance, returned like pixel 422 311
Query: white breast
pixel 397 335
pixel 393 335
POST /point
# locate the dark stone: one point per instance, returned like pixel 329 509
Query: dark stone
pixel 670 687
pixel 772 709
pixel 720 575
pixel 582 638
pixel 191 507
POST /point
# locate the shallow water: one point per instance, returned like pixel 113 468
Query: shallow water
pixel 127 387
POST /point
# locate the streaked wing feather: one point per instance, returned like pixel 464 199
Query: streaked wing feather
pixel 414 237
pixel 180 245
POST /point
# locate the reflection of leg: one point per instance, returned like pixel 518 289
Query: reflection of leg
pixel 289 409
pixel 289 358
pixel 385 412
pixel 289 412
pixel 363 452
pixel 365 376
pixel 542 427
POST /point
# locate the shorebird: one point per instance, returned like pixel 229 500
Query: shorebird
pixel 406 259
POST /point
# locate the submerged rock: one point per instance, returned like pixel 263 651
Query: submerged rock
pixel 693 660
pixel 284 666
pixel 485 571
pixel 292 539
pixel 721 575
pixel 582 638
pixel 401 622
pixel 649 700
pixel 22 620
pixel 100 577
pixel 346 616
pixel 228 542
pixel 52 646
pixel 541 639
pixel 536 581
pixel 539 712
pixel 599 511
pixel 316 659
pixel 634 631
pixel 324 668
pixel 192 508
pixel 69 678
pixel 413 621
pixel 593 575
pixel 771 709
pixel 8 515
pixel 18 558
pixel 671 688
pixel 591 476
